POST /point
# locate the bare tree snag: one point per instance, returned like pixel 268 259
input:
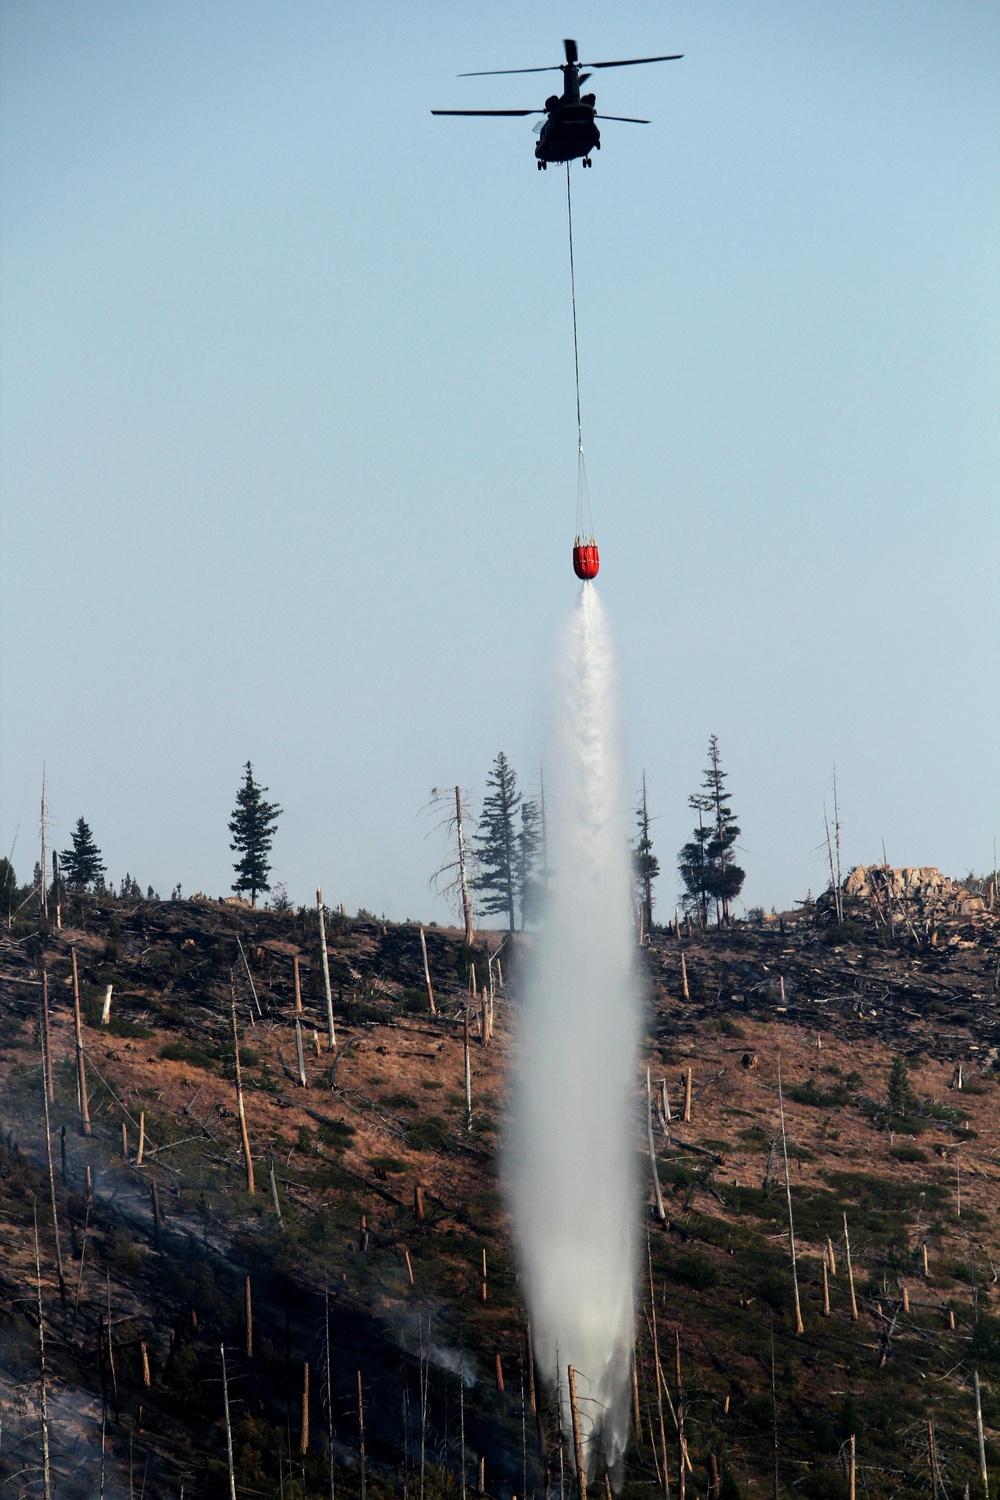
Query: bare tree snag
pixel 906 1297
pixel 850 1272
pixel 498 1371
pixel 361 1437
pixel 468 1075
pixel 298 984
pixel 253 987
pixel 484 1278
pixel 659 1375
pixel 684 969
pixel 409 1265
pixel 529 1355
pixel 852 1471
pixel 52 1180
pixel 81 1068
pixel 248 1316
pixel 980 1439
pixel 826 1290
pixel 142 1138
pixel 325 958
pixel 481 1477
pixel 299 1054
pixel 46 1469
pixel 274 1188
pixel 830 1256
pixel 229 1430
pixel 147 1380
pixel 247 1158
pixel 687 1097
pixel 927 1272
pixel 106 1010
pixel 462 872
pixel 581 1468
pixel 932 1455
pixel 124 1141
pixel 418 1202
pixel 799 1325
pixel 660 1211
pixel 427 974
pixel 304 1435
pixel 50 1087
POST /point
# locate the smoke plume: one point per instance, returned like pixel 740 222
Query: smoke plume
pixel 570 1152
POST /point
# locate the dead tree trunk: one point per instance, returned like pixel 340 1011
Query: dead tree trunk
pixel 81 1069
pixel 799 1325
pixel 850 1273
pixel 684 969
pixel 581 1468
pixel 687 1097
pixel 980 1439
pixel 248 1316
pixel 361 1436
pixel 244 1136
pixel 468 1075
pixel 325 957
pixel 46 1469
pixel 660 1210
pixel 52 1180
pixel 304 1437
pixel 298 984
pixel 50 1088
pixel 229 1430
pixel 427 974
pixel 462 873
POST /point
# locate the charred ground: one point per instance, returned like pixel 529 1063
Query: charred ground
pixel 384 1115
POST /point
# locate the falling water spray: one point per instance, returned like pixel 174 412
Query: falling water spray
pixel 570 1151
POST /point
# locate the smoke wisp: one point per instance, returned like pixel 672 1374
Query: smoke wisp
pixel 570 1152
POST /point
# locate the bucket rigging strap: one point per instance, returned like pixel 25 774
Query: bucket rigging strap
pixel 584 523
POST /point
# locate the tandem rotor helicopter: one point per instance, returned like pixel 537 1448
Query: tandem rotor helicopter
pixel 569 130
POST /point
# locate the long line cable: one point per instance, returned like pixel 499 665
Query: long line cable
pixel 584 522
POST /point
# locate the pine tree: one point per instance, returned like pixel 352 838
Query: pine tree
pixel 725 878
pixel 693 863
pixel 645 862
pixel 496 847
pixel 81 863
pixel 252 826
pixel 529 849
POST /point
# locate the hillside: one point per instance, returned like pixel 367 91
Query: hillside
pixel 388 1202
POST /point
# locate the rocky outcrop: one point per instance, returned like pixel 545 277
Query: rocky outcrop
pixel 917 896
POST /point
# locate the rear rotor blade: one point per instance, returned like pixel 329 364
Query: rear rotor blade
pixel 498 72
pixel 630 62
pixel 625 119
pixel 569 47
pixel 488 112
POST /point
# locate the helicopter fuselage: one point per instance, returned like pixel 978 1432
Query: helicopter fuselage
pixel 568 131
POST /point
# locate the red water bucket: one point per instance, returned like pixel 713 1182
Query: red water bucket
pixel 586 559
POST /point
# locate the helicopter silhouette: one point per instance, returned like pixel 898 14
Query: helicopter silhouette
pixel 569 129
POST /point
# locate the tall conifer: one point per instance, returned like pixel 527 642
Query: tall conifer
pixel 496 846
pixel 252 826
pixel 81 862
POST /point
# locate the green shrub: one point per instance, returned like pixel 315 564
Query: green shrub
pixel 190 1052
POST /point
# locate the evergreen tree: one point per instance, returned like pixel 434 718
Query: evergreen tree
pixel 8 886
pixel 81 863
pixel 497 847
pixel 693 863
pixel 725 878
pixel 645 862
pixel 529 848
pixel 252 826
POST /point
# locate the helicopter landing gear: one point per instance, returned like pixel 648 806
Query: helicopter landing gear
pixel 587 162
pixel 543 166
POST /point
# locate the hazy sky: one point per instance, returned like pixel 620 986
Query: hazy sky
pixel 288 463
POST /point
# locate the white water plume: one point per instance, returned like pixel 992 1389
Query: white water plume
pixel 570 1152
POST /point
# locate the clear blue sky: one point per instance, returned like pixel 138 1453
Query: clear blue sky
pixel 288 462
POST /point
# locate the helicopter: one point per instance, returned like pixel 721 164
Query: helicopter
pixel 569 130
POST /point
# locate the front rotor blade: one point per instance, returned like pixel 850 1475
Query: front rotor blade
pixel 498 72
pixel 630 62
pixel 625 119
pixel 488 112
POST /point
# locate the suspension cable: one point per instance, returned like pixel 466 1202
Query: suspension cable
pixel 584 521
pixel 576 343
